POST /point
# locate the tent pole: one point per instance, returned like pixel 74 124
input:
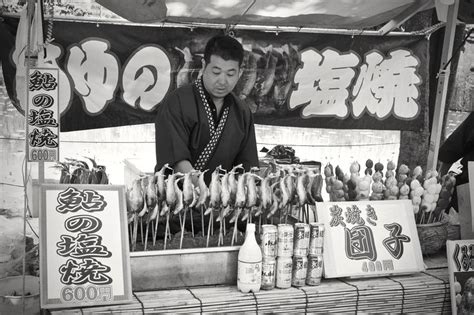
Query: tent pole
pixel 441 91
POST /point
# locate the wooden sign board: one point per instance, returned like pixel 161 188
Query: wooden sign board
pixel 84 254
pixel 42 115
pixel 369 238
pixel 461 275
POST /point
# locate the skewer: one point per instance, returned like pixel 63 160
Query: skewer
pixel 146 235
pixel 211 222
pixel 202 221
pixel 430 216
pixel 141 229
pixel 153 232
pixel 234 234
pixel 135 228
pixel 169 233
pixel 166 228
pixel 315 213
pixel 192 221
pixel 183 225
pixel 156 223
pixel 209 229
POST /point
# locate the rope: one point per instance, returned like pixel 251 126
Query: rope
pixel 445 288
pixel 358 294
pixel 194 295
pixel 403 293
pixel 307 301
pixel 139 301
pixel 256 302
pixel 458 49
pixel 13 185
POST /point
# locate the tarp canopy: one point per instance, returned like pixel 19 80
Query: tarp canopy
pixel 348 14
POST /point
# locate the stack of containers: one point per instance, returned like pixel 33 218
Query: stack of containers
pixel 284 256
pixel 268 244
pixel 300 254
pixel 315 251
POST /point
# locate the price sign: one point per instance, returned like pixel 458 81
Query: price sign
pixel 369 238
pixel 84 258
pixel 461 275
pixel 42 115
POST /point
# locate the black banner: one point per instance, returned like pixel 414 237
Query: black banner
pixel 114 75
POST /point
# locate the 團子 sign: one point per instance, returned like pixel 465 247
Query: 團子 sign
pixel 42 115
pixel 84 255
pixel 369 238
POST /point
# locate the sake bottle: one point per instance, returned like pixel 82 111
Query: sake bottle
pixel 249 268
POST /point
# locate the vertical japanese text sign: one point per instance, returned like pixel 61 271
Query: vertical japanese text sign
pixel 84 254
pixel 42 115
pixel 369 238
pixel 461 275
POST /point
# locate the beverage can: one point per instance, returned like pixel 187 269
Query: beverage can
pixel 268 240
pixel 268 273
pixel 299 271
pixel 316 238
pixel 285 240
pixel 301 239
pixel 315 269
pixel 284 270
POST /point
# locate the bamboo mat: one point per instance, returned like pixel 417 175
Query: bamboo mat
pixel 426 292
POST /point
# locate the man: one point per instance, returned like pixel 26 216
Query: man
pixel 203 125
pixel 459 145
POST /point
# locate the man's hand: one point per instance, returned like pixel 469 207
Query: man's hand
pixel 456 168
pixel 185 166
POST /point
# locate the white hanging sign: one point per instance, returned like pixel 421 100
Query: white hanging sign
pixel 42 115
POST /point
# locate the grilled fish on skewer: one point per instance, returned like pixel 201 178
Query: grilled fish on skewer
pixel 188 190
pixel 266 192
pixel 232 183
pixel 290 186
pixel 241 196
pixel 160 183
pixel 301 184
pixel 285 194
pixel 276 200
pixel 214 191
pixel 137 202
pixel 179 205
pixel 171 197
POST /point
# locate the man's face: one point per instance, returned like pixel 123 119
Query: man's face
pixel 220 76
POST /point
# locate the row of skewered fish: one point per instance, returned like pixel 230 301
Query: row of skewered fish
pixel 230 196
